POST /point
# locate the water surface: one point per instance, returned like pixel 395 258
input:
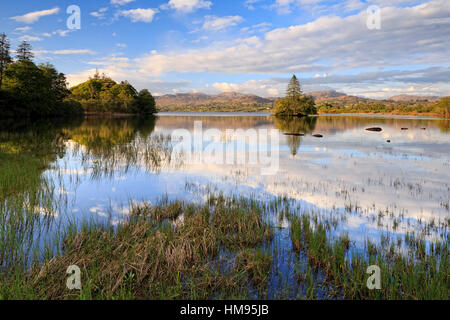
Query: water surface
pixel 96 167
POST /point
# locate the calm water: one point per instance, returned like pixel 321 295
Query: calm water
pixel 96 167
pixel 107 163
pixel 103 164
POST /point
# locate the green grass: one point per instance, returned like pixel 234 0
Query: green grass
pixel 148 258
pixel 418 274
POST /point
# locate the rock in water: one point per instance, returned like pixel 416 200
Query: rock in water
pixel 318 135
pixel 294 134
pixel 375 129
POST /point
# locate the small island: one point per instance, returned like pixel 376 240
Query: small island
pixel 295 104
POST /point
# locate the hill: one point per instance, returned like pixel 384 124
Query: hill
pixel 412 98
pixel 328 101
pixel 228 101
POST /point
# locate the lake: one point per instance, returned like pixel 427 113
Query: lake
pixel 368 184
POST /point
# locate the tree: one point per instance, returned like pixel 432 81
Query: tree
pixel 28 83
pixel 145 103
pixel 30 90
pixel 5 57
pixel 102 94
pixel 25 51
pixel 443 107
pixel 57 81
pixel 295 103
pixel 294 89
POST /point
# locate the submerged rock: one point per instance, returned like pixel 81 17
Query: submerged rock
pixel 318 135
pixel 388 141
pixel 405 129
pixel 294 134
pixel 375 129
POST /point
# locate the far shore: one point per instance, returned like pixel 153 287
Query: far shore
pixel 412 114
pixel 268 113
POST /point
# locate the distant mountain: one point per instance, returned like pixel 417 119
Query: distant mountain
pixel 326 94
pixel 234 101
pixel 170 101
pixel 233 98
pixel 412 98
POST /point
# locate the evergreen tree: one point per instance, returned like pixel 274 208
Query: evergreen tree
pixel 5 58
pixel 24 51
pixel 294 90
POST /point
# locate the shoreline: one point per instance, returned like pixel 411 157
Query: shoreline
pixel 430 115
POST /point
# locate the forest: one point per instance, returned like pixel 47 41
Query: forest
pixel 35 90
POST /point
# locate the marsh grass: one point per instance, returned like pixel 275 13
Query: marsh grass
pixel 258 264
pixel 420 274
pixel 147 257
pixel 240 223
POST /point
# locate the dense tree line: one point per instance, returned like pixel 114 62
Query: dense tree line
pixel 295 103
pixel 441 108
pixel 102 94
pixel 31 90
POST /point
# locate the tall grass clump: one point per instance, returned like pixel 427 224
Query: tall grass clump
pixel 414 275
pixel 150 257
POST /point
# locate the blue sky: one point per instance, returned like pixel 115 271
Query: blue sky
pixel 250 46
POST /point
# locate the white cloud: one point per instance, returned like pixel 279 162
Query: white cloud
pixel 250 4
pixel 121 68
pixel 328 44
pixel 264 88
pixel 62 33
pixel 74 51
pixel 120 2
pixel 139 15
pixel 35 16
pixel 187 6
pixel 226 87
pixel 100 14
pixel 283 6
pixel 257 28
pixel 23 29
pixel 30 38
pixel 213 23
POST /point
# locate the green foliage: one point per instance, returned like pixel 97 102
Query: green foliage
pixel 24 52
pixel 295 103
pixel 5 58
pixel 102 94
pixel 28 90
pixel 296 106
pixel 443 107
pixel 428 108
pixel 31 90
pixel 145 103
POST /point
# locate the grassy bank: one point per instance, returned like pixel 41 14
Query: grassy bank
pixel 226 249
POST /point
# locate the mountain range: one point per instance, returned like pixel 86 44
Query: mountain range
pixel 170 102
